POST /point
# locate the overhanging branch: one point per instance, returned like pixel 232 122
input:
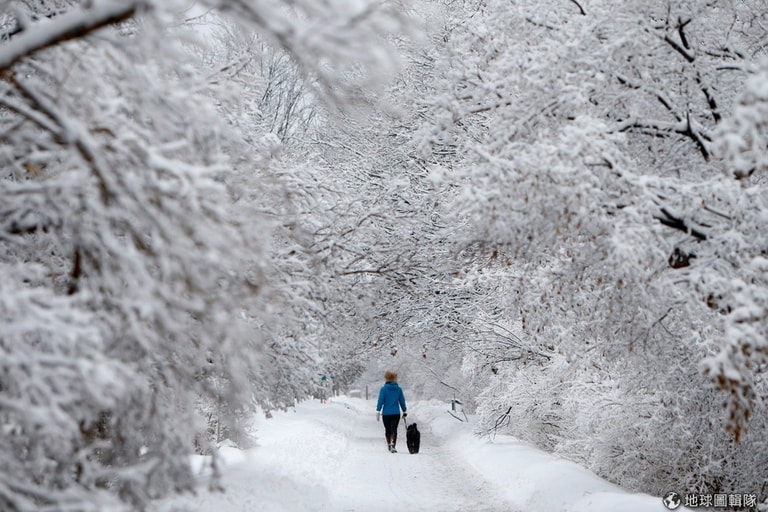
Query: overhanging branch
pixel 72 25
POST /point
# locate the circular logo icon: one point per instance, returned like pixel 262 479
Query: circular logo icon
pixel 672 500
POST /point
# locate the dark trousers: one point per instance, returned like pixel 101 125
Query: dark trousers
pixel 390 428
pixel 390 424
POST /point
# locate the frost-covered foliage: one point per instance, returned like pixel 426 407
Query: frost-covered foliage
pixel 115 221
pixel 742 277
pixel 630 316
pixel 563 200
pixel 135 275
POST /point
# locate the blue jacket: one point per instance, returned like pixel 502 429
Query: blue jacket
pixel 390 396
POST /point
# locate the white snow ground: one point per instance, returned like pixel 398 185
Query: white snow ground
pixel 333 457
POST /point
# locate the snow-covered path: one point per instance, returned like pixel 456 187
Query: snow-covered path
pixel 364 476
pixel 333 457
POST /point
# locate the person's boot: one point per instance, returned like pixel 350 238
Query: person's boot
pixel 390 446
pixel 394 442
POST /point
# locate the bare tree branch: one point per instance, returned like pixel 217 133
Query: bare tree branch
pixel 672 221
pixel 581 9
pixel 687 55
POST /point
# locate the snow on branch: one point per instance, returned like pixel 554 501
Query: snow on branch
pixel 324 39
pixel 72 25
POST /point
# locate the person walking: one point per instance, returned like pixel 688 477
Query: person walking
pixel 391 400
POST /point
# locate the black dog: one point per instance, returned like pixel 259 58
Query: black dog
pixel 413 438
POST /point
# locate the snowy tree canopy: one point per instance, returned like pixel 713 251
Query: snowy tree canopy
pixel 607 174
pixel 134 271
pixel 550 210
pixel 595 170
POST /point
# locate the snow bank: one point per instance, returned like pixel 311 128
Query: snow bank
pixel 527 477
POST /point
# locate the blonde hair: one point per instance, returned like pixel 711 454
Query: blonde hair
pixel 390 376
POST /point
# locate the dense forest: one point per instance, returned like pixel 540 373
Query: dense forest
pixel 552 210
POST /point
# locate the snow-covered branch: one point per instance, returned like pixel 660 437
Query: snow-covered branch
pixel 77 23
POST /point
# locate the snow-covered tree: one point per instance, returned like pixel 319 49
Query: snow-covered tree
pixel 135 272
pixel 583 156
pixel 212 208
